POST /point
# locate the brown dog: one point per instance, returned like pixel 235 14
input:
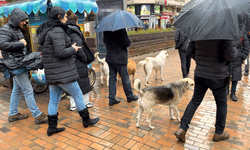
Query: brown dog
pixel 131 70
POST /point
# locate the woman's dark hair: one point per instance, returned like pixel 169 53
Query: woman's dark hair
pixel 72 16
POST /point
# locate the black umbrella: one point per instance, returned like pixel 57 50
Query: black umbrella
pixel 214 19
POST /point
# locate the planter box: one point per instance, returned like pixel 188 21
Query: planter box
pixel 152 36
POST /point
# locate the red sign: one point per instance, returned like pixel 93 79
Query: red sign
pixel 166 2
pixel 167 13
pixel 165 17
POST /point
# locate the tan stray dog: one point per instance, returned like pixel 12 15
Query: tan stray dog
pixel 131 70
pixel 156 63
pixel 104 68
pixel 169 94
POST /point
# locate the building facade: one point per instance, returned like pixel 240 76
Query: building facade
pixel 156 13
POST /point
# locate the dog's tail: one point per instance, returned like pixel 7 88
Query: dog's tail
pixel 142 63
pixel 137 86
pixel 102 61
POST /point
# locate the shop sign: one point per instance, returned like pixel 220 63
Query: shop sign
pixel 167 9
pixel 144 17
pixel 131 9
pixel 157 9
pixel 145 10
pixel 167 13
pixel 165 17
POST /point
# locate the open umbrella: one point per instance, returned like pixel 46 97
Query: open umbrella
pixel 214 19
pixel 118 20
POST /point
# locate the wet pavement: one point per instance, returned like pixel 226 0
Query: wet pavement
pixel 117 129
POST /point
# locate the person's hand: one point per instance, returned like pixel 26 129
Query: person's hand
pixel 24 42
pixel 76 47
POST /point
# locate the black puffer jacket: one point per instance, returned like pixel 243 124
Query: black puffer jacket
pixel 13 50
pixel 212 57
pixel 57 52
pixel 235 66
pixel 80 57
pixel 116 44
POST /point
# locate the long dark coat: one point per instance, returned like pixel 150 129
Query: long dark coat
pixel 235 66
pixel 80 57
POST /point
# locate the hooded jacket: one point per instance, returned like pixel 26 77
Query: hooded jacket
pixel 57 52
pixel 13 50
pixel 80 56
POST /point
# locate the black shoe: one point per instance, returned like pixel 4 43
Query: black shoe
pixel 113 102
pixel 246 74
pixel 133 98
pixel 233 96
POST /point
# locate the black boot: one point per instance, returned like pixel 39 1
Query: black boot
pixel 233 96
pixel 85 118
pixel 53 125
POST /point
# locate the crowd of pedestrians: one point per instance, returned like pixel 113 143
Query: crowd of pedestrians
pixel 63 49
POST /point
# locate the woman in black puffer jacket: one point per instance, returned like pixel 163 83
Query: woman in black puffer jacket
pixel 60 69
pixel 80 58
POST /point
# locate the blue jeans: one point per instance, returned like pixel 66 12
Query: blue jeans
pixel 219 91
pixel 123 71
pixel 21 84
pixel 55 96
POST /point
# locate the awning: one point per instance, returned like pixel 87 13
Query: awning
pixel 41 5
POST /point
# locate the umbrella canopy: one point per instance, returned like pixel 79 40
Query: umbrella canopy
pixel 118 20
pixel 214 19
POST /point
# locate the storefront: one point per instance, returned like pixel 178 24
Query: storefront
pixel 36 11
pixel 153 15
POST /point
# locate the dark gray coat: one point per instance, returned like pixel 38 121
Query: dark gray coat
pixel 212 57
pixel 116 44
pixel 80 58
pixel 57 52
pixel 13 50
pixel 181 41
pixel 235 66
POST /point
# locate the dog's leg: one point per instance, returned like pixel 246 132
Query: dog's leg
pixel 162 74
pixel 156 74
pixel 171 113
pixel 140 111
pixel 150 112
pixel 148 70
pixel 107 79
pixel 102 77
pixel 176 111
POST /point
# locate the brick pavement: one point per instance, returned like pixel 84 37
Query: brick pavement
pixel 117 129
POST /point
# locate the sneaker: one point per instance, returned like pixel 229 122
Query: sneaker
pixel 41 119
pixel 89 104
pixel 72 108
pixel 18 116
pixel 219 137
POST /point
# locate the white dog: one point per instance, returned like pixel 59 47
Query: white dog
pixel 104 68
pixel 156 63
pixel 169 94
